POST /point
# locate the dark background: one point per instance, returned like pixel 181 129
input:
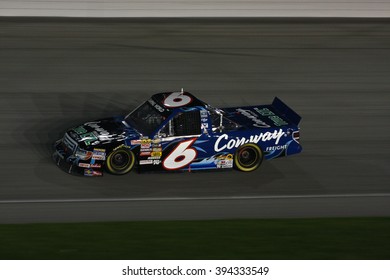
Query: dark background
pixel 56 73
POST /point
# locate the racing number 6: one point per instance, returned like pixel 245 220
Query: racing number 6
pixel 181 156
pixel 177 99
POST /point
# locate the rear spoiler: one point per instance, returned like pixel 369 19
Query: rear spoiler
pixel 285 111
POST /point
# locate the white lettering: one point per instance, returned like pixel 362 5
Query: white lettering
pixel 253 117
pixel 177 99
pixel 231 144
pixel 155 105
pixel 235 143
pixel 274 148
pixel 181 156
pixel 241 141
pixel 223 136
pixel 97 128
pixel 103 135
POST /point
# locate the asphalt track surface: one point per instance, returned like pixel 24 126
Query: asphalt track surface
pixel 56 73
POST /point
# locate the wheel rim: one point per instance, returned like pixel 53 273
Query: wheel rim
pixel 120 160
pixel 247 157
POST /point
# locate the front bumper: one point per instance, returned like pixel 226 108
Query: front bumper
pixel 67 160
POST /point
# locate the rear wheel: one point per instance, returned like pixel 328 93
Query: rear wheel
pixel 120 161
pixel 248 157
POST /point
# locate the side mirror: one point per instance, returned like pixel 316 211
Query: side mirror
pixel 160 135
pixel 221 128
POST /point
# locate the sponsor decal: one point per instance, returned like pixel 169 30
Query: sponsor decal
pixel 146 150
pixel 89 138
pixel 92 173
pixel 264 111
pixel 204 121
pixel 102 135
pixel 150 141
pixel 277 121
pixel 97 128
pixel 143 162
pixel 88 172
pixel 87 165
pixel 80 130
pixel 135 142
pixel 144 154
pixel 227 157
pixel 225 164
pixel 151 160
pixel 252 116
pixel 156 154
pixel 275 148
pixel 156 106
pixel 99 154
pixel 223 143
pixel 121 146
pixel 83 155
pixel 154 157
pixel 146 146
pixel 146 141
pixel 203 114
pixel 225 161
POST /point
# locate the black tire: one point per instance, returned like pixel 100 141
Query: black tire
pixel 248 157
pixel 120 161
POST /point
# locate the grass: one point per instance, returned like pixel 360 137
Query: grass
pixel 337 238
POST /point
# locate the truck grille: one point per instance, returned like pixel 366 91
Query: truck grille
pixel 70 145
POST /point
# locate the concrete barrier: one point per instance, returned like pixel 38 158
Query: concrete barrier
pixel 196 8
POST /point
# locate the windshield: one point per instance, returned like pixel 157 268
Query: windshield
pixel 145 119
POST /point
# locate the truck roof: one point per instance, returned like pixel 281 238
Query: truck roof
pixel 173 100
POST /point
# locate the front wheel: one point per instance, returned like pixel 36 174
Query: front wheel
pixel 248 157
pixel 120 161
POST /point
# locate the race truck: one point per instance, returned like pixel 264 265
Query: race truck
pixel 175 131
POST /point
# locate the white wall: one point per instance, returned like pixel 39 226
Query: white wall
pixel 198 8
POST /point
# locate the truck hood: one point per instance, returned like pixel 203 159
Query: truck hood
pixel 101 132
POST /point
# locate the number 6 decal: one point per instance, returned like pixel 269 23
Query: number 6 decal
pixel 177 99
pixel 181 156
